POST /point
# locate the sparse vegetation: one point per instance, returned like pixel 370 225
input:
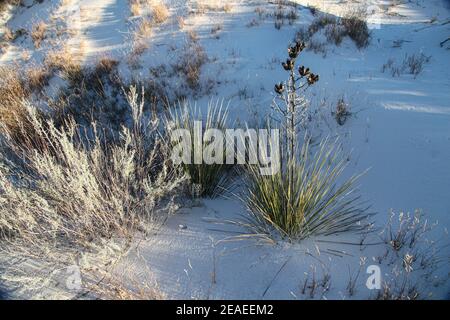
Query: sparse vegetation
pixel 412 64
pixel 342 112
pixel 191 62
pixel 356 27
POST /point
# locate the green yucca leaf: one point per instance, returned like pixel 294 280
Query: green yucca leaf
pixel 313 204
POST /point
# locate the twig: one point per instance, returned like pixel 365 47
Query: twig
pixel 276 275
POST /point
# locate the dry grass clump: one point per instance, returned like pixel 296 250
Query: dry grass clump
pixel 142 32
pixel 66 62
pixel 415 254
pixel 38 33
pixel 12 93
pixel 191 62
pixel 144 28
pixel 135 7
pixel 281 14
pixel 106 65
pixel 342 112
pixel 78 188
pixel 37 77
pixel 412 64
pixel 8 35
pixel 160 13
pixel 204 6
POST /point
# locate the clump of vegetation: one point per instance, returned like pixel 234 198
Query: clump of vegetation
pixel 38 33
pixel 37 78
pixel 353 25
pixel 412 64
pixel 414 254
pixel 66 62
pixel 160 13
pixel 191 62
pixel 13 92
pixel 207 179
pixel 342 112
pixel 74 188
pixel 281 14
pixel 93 94
pixel 304 197
pixel 213 6
pixel 356 27
pixel 5 3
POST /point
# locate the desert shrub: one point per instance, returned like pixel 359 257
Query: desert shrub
pixel 320 22
pixel 207 179
pixel 353 25
pixel 280 15
pixel 5 3
pixel 308 203
pixel 79 189
pixel 8 35
pixel 335 33
pixel 135 7
pixel 356 27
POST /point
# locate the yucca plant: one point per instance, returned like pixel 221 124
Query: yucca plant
pixel 304 197
pixel 207 179
pixel 313 203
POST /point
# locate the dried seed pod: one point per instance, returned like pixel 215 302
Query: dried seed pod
pixel 300 46
pixel 303 71
pixel 312 78
pixel 288 65
pixel 279 88
pixel 293 52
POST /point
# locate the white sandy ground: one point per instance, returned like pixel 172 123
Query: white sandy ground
pixel 400 130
